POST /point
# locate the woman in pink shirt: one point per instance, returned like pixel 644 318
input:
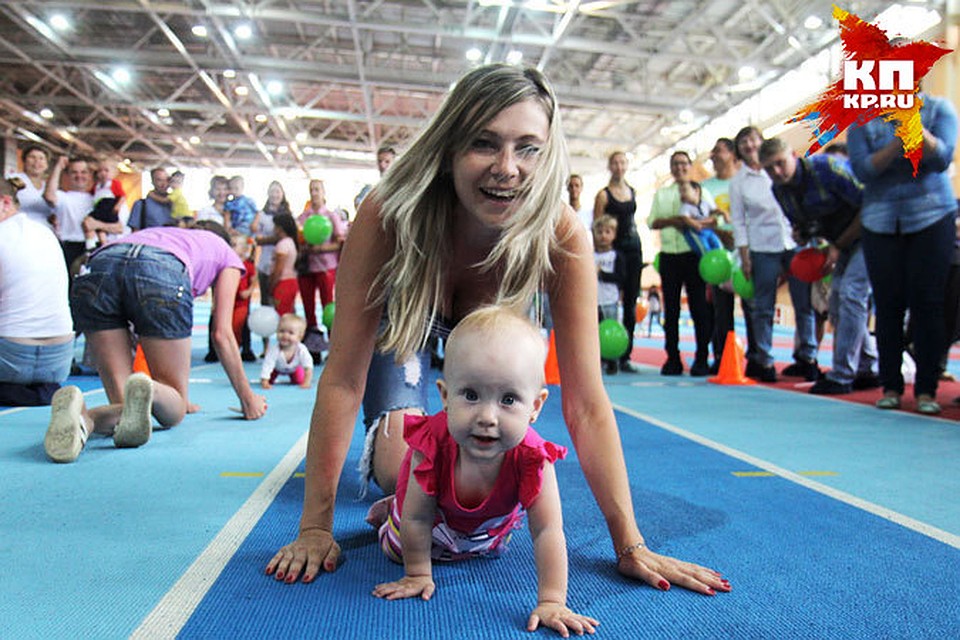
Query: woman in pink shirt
pixel 149 279
pixel 320 270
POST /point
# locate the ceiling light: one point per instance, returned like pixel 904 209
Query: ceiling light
pixel 813 22
pixel 260 117
pixel 163 112
pixel 282 149
pixel 302 136
pixel 199 30
pixel 474 54
pixel 194 139
pixel 121 75
pixel 229 73
pixel 59 22
pixel 243 31
pixel 241 90
pixel 746 73
pixel 515 56
pixel 274 87
pixel 685 115
pixel 46 113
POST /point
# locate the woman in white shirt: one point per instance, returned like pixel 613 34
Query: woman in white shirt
pixel 765 241
pixel 36 161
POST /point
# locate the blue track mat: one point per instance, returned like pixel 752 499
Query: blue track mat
pixel 147 541
pixel 802 564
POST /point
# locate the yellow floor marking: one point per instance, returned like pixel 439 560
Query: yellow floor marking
pixel 253 474
pixel 768 474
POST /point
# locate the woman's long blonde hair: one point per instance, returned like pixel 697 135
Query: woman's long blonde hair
pixel 418 203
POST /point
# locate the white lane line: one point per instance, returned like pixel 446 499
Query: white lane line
pixel 175 608
pixel 887 514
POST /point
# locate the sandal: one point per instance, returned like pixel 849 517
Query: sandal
pixel 889 402
pixel 928 406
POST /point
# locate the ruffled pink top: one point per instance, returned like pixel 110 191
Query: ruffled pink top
pixel 517 487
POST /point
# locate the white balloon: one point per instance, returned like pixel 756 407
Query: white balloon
pixel 263 321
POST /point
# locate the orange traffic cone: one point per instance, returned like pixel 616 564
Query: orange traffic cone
pixel 731 364
pixel 551 368
pixel 140 362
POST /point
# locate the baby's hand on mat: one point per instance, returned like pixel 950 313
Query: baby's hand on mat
pixel 406 587
pixel 561 619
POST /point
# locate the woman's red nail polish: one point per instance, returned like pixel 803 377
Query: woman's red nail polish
pixel 664 585
pixel 711 592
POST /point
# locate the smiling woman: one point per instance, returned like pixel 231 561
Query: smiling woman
pixel 470 215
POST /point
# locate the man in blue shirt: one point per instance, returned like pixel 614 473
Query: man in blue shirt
pixel 822 199
pixel 150 212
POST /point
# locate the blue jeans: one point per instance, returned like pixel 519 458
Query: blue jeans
pixel 767 268
pixel 32 363
pixel 854 349
pixel 910 271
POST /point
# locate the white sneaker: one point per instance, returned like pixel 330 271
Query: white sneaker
pixel 67 432
pixel 136 423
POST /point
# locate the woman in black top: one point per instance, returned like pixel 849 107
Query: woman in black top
pixel 619 200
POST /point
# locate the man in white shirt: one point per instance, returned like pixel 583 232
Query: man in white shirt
pixel 764 238
pixel 71 206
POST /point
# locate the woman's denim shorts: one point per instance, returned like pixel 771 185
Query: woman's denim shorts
pixel 134 283
pixel 392 386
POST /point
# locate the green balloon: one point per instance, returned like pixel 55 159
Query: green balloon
pixel 614 341
pixel 742 286
pixel 329 310
pixel 716 266
pixel 317 229
pixel 827 279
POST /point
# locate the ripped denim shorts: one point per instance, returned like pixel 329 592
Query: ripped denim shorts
pixel 391 387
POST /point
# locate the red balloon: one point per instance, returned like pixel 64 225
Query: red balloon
pixel 807 265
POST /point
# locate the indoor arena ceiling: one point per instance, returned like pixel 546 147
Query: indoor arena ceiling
pixel 324 83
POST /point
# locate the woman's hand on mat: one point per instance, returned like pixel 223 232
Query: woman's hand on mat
pixel 663 571
pixel 561 619
pixel 312 550
pixel 254 407
pixel 406 587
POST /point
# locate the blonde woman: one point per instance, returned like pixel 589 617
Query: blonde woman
pixel 471 214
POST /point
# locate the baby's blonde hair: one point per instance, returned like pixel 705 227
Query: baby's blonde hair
pixel 299 323
pixel 418 203
pixel 492 320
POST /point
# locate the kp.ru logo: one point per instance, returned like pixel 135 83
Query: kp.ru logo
pixel 894 90
pixel 881 79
